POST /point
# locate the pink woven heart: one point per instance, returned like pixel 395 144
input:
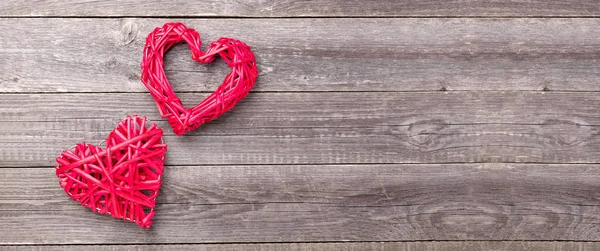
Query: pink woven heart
pixel 235 86
pixel 124 179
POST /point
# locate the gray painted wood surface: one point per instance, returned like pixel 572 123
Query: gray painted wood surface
pixel 371 121
pixel 321 128
pixel 311 55
pixel 307 203
pixel 298 8
pixel 375 246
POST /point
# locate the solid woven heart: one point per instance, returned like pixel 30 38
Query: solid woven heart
pixel 235 86
pixel 123 180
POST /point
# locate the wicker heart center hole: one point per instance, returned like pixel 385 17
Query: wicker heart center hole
pixel 191 80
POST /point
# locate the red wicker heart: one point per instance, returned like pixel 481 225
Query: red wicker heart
pixel 236 84
pixel 123 180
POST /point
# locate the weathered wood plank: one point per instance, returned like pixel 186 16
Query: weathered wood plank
pixel 347 185
pixel 103 55
pixel 322 203
pixel 363 246
pixel 296 128
pixel 289 8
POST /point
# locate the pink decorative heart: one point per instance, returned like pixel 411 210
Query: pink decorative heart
pixel 122 180
pixel 235 86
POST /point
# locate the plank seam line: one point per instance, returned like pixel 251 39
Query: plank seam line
pixel 296 242
pixel 344 164
pixel 290 127
pixel 77 207
pixel 313 91
pixel 308 17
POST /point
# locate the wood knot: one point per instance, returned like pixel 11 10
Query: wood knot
pixel 424 133
pixel 129 31
pixel 563 132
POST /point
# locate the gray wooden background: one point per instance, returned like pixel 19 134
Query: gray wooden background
pixel 374 125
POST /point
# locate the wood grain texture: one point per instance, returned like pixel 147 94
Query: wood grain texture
pixel 296 8
pixel 308 203
pixel 305 128
pixel 387 133
pixel 368 246
pixel 103 55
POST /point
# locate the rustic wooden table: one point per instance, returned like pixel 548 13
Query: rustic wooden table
pixel 374 125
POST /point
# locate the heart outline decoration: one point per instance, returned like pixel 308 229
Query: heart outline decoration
pixel 235 86
pixel 122 180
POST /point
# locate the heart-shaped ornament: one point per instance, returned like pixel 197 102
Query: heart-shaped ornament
pixel 122 180
pixel 235 86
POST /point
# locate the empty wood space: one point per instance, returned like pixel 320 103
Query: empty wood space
pixel 374 125
pixel 301 8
